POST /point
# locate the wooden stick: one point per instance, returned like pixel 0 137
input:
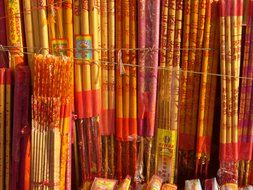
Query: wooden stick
pixel 133 86
pixel 228 73
pixel 204 64
pixel 119 95
pixel 28 31
pixel 125 78
pixel 161 75
pixel 111 77
pixel 35 24
pixel 185 53
pixel 105 87
pixel 42 15
pixel 223 80
pixel 190 127
pixel 94 9
pixel 2 124
pixel 8 113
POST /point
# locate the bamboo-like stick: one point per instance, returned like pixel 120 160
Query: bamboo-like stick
pixel 169 62
pixel 190 127
pixel 8 113
pixel 202 23
pixel 59 21
pixel 105 84
pixel 223 80
pixel 35 24
pixel 78 99
pixel 211 88
pixel 68 24
pixel 161 74
pixel 42 15
pixel 125 79
pixel 185 53
pixel 111 77
pixel 141 84
pixel 175 87
pixel 14 32
pixel 51 21
pixel 68 34
pixel 28 31
pixel 2 124
pixel 86 68
pixel 152 76
pixel 119 93
pixel 228 72
pixel 133 86
pixel 203 85
pixel 235 72
pixel 94 9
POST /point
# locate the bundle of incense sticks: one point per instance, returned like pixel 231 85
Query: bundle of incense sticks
pixel 147 78
pixel 230 40
pixel 168 86
pixel 245 106
pixel 108 94
pixel 87 87
pixel 51 109
pixel 21 130
pixel 126 93
pixel 195 16
pixel 207 94
pixel 5 127
pixel 14 32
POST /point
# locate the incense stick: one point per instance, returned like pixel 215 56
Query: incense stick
pixel 2 122
pixel 119 93
pixel 111 78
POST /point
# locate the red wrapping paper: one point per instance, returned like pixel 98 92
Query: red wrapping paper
pixel 21 130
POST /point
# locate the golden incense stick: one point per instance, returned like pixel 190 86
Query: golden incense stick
pixel 42 15
pixel 2 124
pixel 111 75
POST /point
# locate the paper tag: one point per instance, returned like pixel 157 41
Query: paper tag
pixel 192 184
pixel 229 186
pixel 103 184
pixel 166 153
pixel 169 187
pixel 155 183
pixel 84 42
pixel 125 184
pixel 59 46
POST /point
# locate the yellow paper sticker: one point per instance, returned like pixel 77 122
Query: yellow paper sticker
pixel 166 154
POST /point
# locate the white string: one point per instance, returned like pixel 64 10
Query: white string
pixel 90 62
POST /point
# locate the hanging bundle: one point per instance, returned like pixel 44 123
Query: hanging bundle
pixel 168 90
pixel 245 125
pixel 209 64
pixel 230 43
pixel 148 37
pixel 51 111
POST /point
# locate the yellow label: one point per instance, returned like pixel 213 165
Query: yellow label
pixel 60 46
pixel 229 186
pixel 105 184
pixel 166 154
